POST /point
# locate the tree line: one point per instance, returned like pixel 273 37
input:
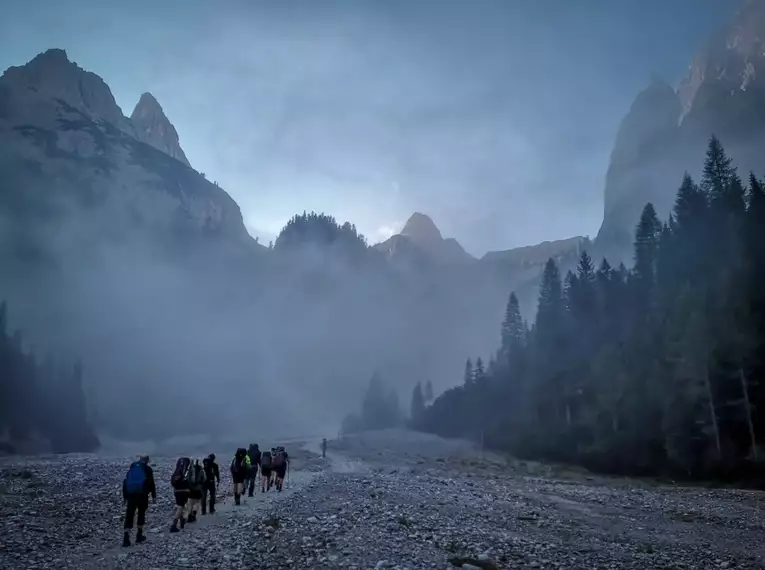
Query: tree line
pixel 657 369
pixel 40 398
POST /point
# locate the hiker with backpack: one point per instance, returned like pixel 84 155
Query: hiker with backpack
pixel 197 482
pixel 212 480
pixel 136 488
pixel 281 463
pixel 324 448
pixel 239 472
pixel 265 471
pixel 181 489
pixel 253 453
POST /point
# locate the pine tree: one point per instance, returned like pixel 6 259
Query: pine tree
pixel 417 407
pixel 467 379
pixel 513 331
pixel 718 170
pixel 647 237
pixel 428 393
pixel 479 373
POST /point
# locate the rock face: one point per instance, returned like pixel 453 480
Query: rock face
pixel 154 128
pixel 666 131
pixel 71 158
pixel 421 239
pixel 537 255
pixel 52 76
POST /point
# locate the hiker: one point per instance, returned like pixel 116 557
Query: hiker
pixel 254 454
pixel 197 483
pixel 212 480
pixel 136 488
pixel 247 472
pixel 181 488
pixel 272 479
pixel 281 462
pixel 324 448
pixel 265 471
pixel 238 472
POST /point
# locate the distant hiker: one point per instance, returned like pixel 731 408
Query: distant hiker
pixel 324 448
pixel 247 472
pixel 197 483
pixel 239 472
pixel 136 488
pixel 281 462
pixel 265 471
pixel 254 454
pixel 212 480
pixel 181 489
pixel 272 479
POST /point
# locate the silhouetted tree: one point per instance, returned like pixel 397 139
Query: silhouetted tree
pixel 657 369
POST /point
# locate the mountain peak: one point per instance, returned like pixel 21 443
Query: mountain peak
pixel 53 56
pixel 153 127
pixel 52 75
pixel 421 230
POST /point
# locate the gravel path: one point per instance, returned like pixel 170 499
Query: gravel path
pixel 385 500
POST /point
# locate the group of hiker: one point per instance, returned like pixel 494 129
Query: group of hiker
pixel 195 486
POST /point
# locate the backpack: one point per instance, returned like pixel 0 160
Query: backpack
pixel 237 464
pixel 279 458
pixel 196 475
pixel 181 472
pixel 135 480
pixel 265 460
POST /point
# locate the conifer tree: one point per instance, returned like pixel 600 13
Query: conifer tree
pixel 428 392
pixel 417 407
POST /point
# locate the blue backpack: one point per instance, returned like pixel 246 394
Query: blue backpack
pixel 136 479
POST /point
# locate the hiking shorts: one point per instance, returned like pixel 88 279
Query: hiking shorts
pixel 195 494
pixel 281 471
pixel 238 478
pixel 265 471
pixel 181 498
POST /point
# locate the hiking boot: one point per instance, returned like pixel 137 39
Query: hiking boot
pixel 174 528
pixel 204 511
pixel 140 537
pixel 236 499
pixel 192 517
pixel 126 540
pixel 183 522
pixel 212 510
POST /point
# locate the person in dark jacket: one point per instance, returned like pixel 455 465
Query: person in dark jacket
pixel 239 472
pixel 254 455
pixel 211 484
pixel 137 485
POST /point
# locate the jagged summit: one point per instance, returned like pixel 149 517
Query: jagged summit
pixel 422 233
pixel 421 230
pixel 52 75
pixel 153 127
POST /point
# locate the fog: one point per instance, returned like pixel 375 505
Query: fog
pixel 497 119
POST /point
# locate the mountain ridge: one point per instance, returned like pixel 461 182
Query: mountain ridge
pixel 666 129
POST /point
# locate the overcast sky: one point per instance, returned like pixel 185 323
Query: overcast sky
pixel 496 118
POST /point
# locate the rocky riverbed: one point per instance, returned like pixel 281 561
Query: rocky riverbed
pixel 383 500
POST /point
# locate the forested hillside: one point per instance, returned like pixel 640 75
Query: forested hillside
pixel 43 399
pixel 657 369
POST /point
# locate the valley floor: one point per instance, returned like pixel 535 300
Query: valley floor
pixel 382 500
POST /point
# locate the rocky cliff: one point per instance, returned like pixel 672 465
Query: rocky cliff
pixel 72 159
pixel 153 127
pixel 666 130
